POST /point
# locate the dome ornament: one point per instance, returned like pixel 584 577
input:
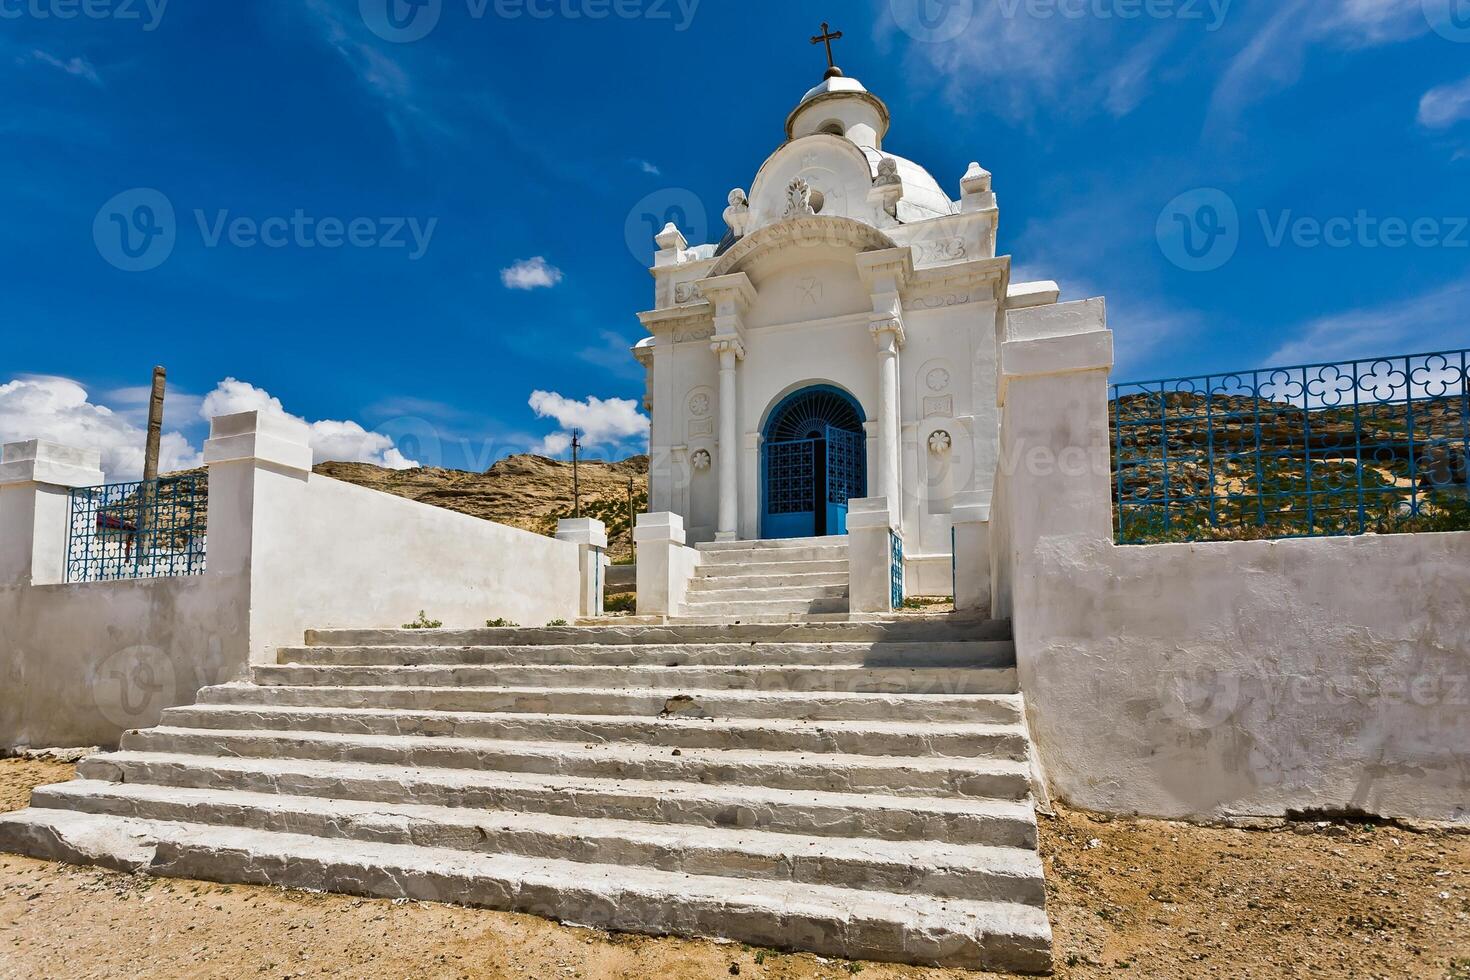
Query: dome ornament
pixel 827 37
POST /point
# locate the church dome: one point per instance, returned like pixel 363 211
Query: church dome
pixel 920 189
pixel 843 107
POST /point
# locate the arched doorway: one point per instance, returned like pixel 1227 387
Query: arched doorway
pixel 813 460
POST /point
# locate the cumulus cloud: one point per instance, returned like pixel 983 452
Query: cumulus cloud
pixel 330 439
pixel 612 423
pixel 1442 107
pixel 61 410
pixel 535 273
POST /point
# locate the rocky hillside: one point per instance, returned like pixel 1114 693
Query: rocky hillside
pixel 530 492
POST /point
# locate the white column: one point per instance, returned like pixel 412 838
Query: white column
pixel 730 351
pixel 590 536
pixel 36 480
pixel 888 335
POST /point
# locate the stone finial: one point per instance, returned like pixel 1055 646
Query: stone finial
pixel 887 173
pixel 671 238
pixel 975 186
pixel 737 215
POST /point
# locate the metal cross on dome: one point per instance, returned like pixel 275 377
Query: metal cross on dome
pixel 827 37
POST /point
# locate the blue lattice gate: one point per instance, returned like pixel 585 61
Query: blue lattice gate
pixel 810 481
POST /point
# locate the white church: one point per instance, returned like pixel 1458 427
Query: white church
pixel 838 343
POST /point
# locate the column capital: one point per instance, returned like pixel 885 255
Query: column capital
pixel 730 295
pixel 888 333
pixel 886 270
pixel 729 344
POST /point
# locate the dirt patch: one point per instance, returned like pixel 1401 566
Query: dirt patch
pixel 1135 898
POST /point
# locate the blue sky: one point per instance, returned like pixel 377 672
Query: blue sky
pixel 490 187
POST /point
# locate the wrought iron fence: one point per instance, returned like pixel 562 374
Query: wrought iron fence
pixel 151 529
pixel 1372 446
pixel 895 569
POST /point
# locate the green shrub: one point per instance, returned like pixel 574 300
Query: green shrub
pixel 423 623
pixel 558 622
pixel 622 602
pixel 497 624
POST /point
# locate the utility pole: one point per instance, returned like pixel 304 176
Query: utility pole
pixel 632 517
pixel 576 473
pixel 149 490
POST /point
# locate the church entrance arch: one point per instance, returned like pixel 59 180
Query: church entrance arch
pixel 813 460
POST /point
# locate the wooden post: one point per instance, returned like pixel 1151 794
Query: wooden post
pixel 631 516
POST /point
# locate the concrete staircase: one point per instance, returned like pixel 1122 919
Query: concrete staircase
pixel 770 580
pixel 858 790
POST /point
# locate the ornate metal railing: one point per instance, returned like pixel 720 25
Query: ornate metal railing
pixel 895 569
pixel 1373 446
pixel 152 529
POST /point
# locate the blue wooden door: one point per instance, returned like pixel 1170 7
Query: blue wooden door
pixel 791 489
pixel 846 475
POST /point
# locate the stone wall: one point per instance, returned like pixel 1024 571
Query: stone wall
pixel 287 551
pixel 1202 681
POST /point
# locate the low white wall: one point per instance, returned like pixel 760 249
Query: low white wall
pixel 1207 680
pixel 80 664
pixel 1252 678
pixel 330 554
pixel 288 551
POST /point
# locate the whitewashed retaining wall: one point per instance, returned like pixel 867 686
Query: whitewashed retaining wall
pixel 288 551
pixel 1202 681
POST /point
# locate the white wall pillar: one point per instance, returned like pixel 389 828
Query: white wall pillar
pixel 730 351
pixel 972 552
pixel 590 536
pixel 665 565
pixel 730 296
pixel 870 555
pixel 888 335
pixel 36 480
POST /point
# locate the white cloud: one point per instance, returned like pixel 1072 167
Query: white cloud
pixel 1432 321
pixel 648 168
pixel 344 441
pixel 77 66
pixel 1273 57
pixel 60 410
pixel 534 273
pixel 611 423
pixel 1446 105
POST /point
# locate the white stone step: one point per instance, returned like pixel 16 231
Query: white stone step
pixel 905 738
pixel 979 653
pixel 774 544
pixel 979 778
pixel 917 629
pixel 735 558
pixel 836 566
pixel 1000 708
pixel 770 581
pixel 739 609
pixel 972 872
pixel 711 591
pixel 953 820
pixel 831 921
pixel 674 680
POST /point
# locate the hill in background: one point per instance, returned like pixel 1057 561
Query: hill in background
pixel 529 492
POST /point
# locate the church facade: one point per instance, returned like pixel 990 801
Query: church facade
pixel 839 343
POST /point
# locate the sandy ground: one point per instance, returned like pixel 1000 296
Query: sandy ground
pixel 1128 898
